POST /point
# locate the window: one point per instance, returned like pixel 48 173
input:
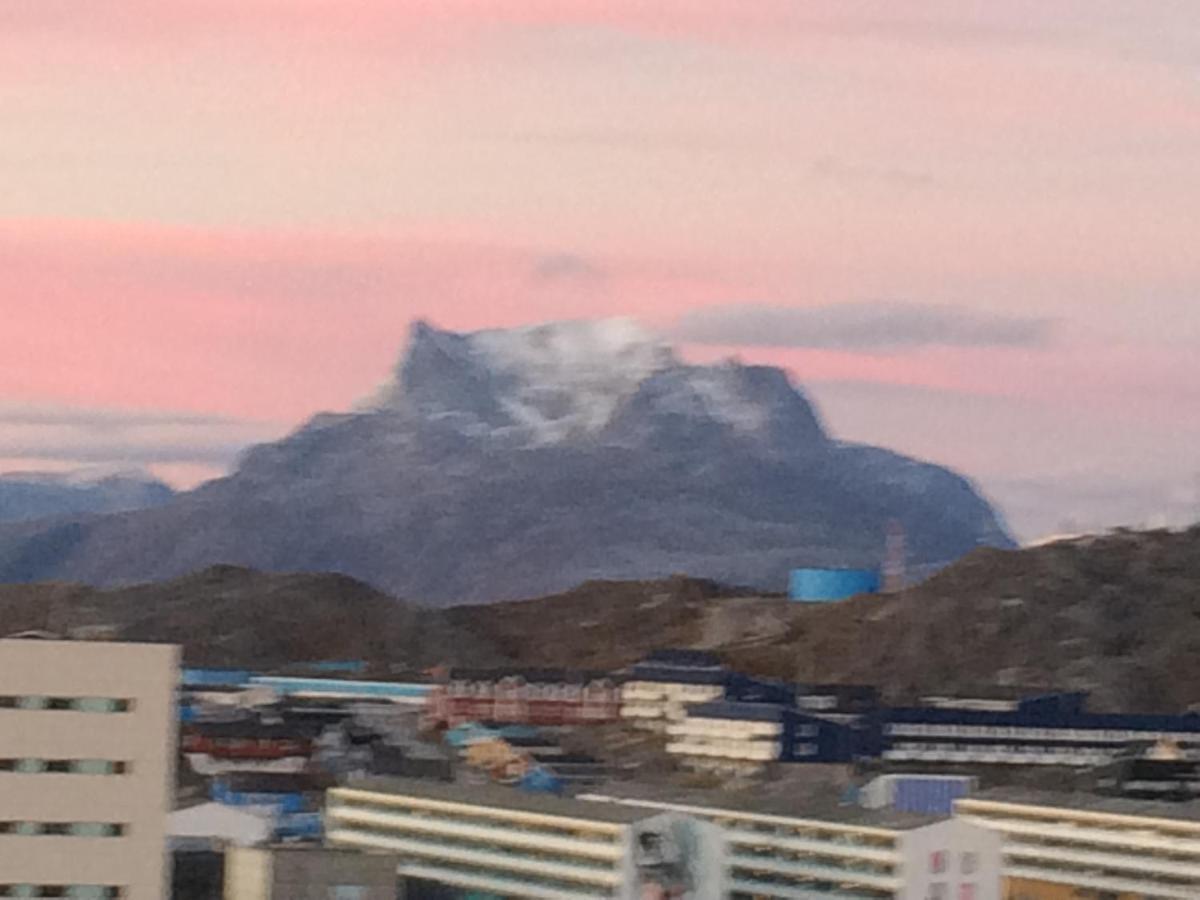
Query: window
pixel 939 890
pixel 71 891
pixel 347 892
pixel 937 862
pixel 64 704
pixel 65 766
pixel 966 892
pixel 970 863
pixel 62 829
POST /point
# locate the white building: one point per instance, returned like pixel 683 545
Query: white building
pixel 660 688
pixel 87 743
pixel 1092 846
pixel 520 845
pixel 730 738
pixel 845 852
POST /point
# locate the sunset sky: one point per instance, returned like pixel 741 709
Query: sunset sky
pixel 971 229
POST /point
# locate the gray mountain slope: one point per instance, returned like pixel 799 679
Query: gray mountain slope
pixel 43 495
pixel 508 464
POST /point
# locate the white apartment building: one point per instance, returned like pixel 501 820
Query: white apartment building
pixel 1092 846
pixel 87 746
pixel 514 844
pixel 660 688
pixel 847 853
pixel 732 739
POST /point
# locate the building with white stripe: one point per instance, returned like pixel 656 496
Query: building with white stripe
pixel 1077 845
pixel 841 852
pixel 515 844
pixel 518 845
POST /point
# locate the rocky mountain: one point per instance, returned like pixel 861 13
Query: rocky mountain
pixel 42 495
pixel 510 463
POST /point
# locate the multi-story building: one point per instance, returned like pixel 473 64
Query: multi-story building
pixel 786 849
pixel 743 738
pixel 1060 846
pixel 523 696
pixel 659 689
pixel 488 840
pixel 87 745
pixel 1050 729
pixel 518 845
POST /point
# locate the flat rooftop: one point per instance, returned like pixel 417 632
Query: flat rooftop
pixel 1187 810
pixel 496 796
pixel 786 801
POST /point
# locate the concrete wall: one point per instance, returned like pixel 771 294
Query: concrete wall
pixel 307 873
pixel 143 737
pixel 940 859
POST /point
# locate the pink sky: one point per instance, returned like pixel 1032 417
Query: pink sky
pixel 217 218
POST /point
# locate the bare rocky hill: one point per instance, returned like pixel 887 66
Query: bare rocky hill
pixel 1117 615
pixel 229 616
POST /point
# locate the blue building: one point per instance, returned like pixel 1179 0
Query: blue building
pixel 1051 729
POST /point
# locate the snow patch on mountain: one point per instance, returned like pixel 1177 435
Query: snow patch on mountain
pixel 548 382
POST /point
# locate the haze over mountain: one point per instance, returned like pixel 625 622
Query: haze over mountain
pixel 502 464
pixel 41 495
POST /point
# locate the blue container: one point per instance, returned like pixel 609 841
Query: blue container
pixel 929 796
pixel 824 585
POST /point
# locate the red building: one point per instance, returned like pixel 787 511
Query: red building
pixel 524 696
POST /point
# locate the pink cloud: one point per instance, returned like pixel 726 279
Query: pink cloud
pixel 270 326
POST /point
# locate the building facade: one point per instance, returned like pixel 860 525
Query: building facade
pixel 87 745
pixel 1047 730
pixel 490 841
pixel 523 696
pixel 308 873
pixel 659 689
pixel 787 857
pixel 1081 846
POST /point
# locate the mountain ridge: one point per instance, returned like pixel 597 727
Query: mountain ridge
pixel 504 464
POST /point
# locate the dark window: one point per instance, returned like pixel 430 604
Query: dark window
pixel 59 703
pixel 58 765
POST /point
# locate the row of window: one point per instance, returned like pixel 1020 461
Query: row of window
pixel 72 891
pixel 66 766
pixel 71 704
pixel 999 749
pixel 63 829
pixel 1065 734
pixel 532 691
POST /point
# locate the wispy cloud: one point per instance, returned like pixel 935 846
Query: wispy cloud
pixel 81 435
pixel 860 326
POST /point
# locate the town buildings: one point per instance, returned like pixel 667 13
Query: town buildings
pixel 87 747
pixel 523 696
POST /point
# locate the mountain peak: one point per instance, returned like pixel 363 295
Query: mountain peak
pixel 547 382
